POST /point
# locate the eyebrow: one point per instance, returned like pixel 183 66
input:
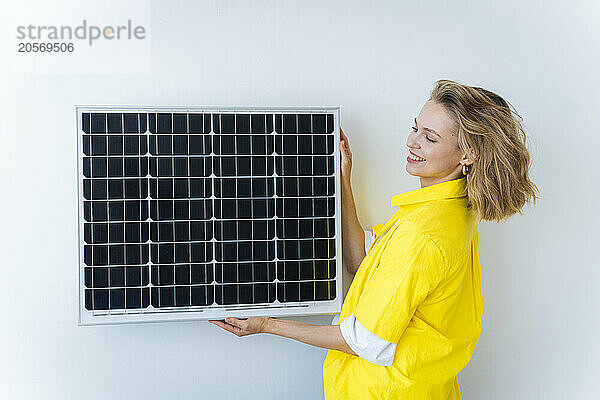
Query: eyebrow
pixel 429 129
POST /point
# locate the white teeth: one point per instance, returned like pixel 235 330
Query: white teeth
pixel 415 157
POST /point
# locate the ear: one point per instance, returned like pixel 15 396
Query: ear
pixel 468 160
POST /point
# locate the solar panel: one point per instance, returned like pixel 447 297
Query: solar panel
pixel 206 212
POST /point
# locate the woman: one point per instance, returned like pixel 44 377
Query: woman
pixel 412 316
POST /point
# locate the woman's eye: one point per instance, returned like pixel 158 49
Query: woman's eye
pixel 427 137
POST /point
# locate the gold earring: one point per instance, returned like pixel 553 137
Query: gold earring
pixel 464 170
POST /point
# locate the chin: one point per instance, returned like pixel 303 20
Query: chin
pixel 407 168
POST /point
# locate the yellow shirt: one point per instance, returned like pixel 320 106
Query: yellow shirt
pixel 419 286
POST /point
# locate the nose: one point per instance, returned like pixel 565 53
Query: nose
pixel 411 141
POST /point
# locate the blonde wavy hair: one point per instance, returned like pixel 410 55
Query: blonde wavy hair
pixel 498 184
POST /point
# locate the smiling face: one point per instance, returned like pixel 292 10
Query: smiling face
pixel 434 142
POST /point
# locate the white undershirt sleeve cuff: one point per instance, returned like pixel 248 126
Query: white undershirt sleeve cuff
pixel 365 344
pixel 369 239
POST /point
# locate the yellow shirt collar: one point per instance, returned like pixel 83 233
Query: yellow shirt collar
pixel 444 190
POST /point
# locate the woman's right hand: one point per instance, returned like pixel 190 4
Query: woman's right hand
pixel 346 157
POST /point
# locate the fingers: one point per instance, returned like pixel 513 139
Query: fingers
pixel 345 149
pixel 235 322
pixel 343 135
pixel 228 327
pixel 345 146
pixel 236 326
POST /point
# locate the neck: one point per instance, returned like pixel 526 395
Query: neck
pixel 434 181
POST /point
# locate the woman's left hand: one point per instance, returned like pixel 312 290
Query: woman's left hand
pixel 242 327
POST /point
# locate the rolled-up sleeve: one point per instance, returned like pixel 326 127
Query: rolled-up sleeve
pixel 369 239
pixel 365 344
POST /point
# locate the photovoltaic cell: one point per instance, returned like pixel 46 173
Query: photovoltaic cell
pixel 182 210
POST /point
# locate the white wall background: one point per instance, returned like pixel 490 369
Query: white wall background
pixel 378 61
